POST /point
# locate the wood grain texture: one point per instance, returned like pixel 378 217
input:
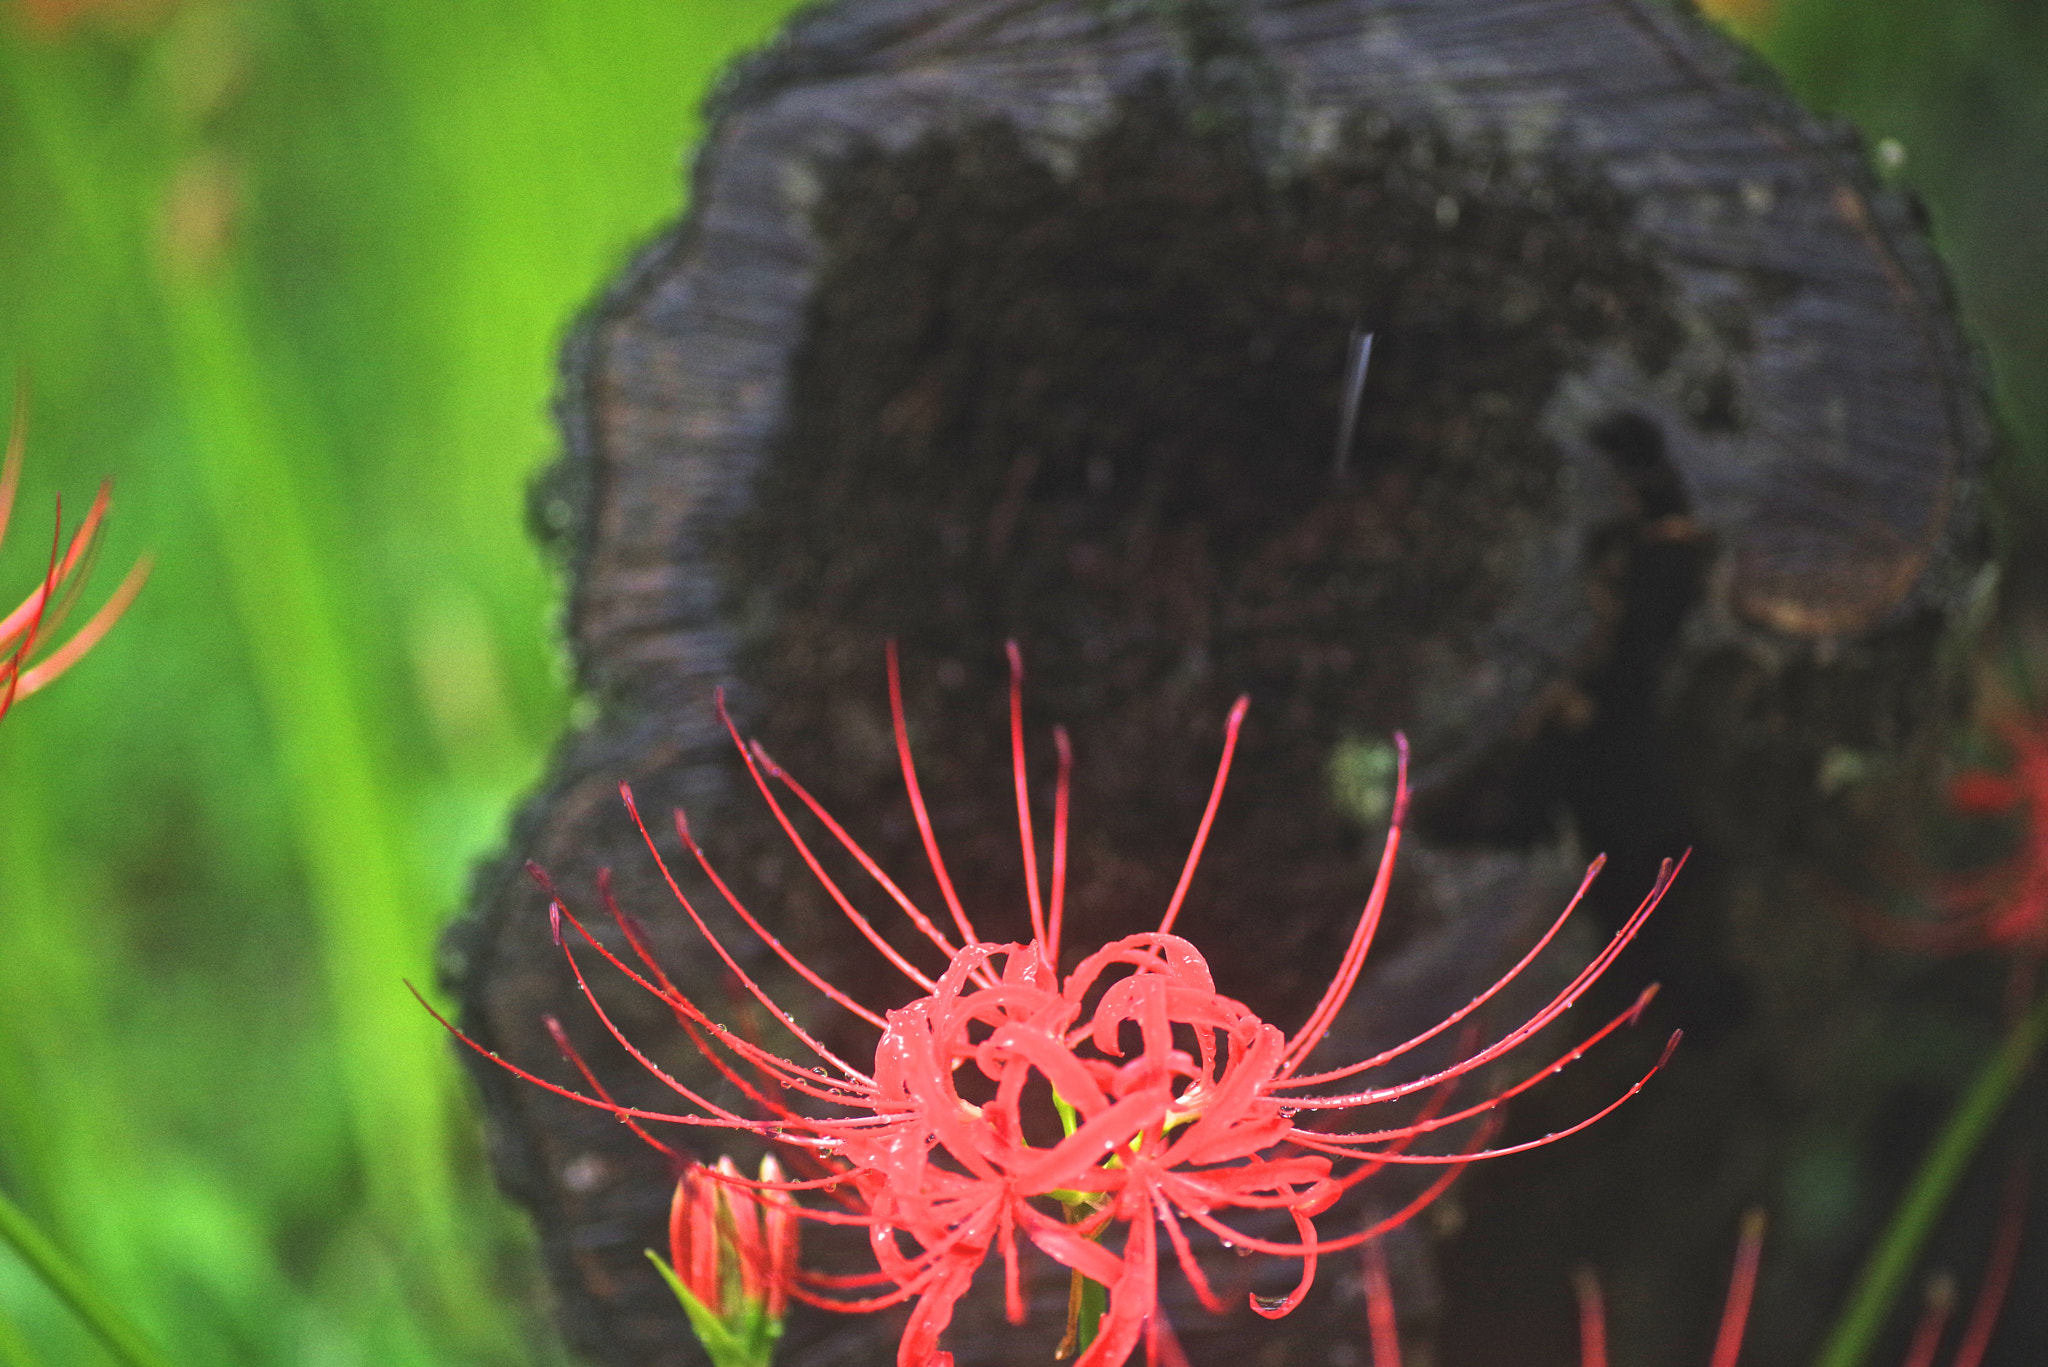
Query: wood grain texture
pixel 1026 318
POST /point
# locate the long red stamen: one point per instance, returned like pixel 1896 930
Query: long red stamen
pixel 622 1112
pixel 1463 1012
pixel 30 613
pixel 1749 1251
pixel 46 670
pixel 1998 1269
pixel 1592 1318
pixel 755 759
pixel 1313 1140
pixel 1231 726
pixel 1379 1308
pixel 1023 786
pixel 695 1024
pixel 39 600
pixel 569 1052
pixel 917 807
pixel 1558 1005
pixel 1339 990
pixel 762 933
pixel 1062 796
pixel 868 865
pixel 43 612
pixel 788 1072
pixel 1432 1124
pixel 1935 1308
pixel 725 956
pixel 695 1098
pixel 17 450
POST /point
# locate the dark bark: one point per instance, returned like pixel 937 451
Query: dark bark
pixel 1006 319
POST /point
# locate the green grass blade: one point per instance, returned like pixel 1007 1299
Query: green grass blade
pixel 62 1276
pixel 287 597
pixel 1891 1262
pixel 15 1349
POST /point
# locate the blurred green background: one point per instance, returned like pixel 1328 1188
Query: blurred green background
pixel 292 273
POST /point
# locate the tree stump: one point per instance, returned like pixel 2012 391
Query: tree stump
pixel 1027 319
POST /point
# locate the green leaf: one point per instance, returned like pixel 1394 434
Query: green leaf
pixel 747 1340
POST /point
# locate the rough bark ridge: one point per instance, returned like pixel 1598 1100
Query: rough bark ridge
pixel 1025 318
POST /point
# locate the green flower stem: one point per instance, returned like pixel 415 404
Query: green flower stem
pixel 61 1275
pixel 1089 1298
pixel 1891 1262
pixel 1094 1304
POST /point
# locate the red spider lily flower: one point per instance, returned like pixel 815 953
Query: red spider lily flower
pixel 732 1257
pixel 39 614
pixel 1173 1105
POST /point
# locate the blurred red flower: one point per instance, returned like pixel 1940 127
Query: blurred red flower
pixel 1921 1349
pixel 2004 906
pixel 41 613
